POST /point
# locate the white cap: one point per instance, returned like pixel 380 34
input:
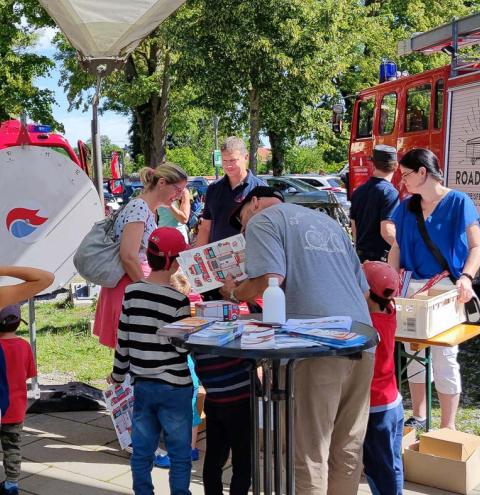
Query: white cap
pixel 273 282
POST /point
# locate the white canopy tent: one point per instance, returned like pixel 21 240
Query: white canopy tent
pixel 104 33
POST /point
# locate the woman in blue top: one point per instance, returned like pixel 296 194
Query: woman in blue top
pixel 451 220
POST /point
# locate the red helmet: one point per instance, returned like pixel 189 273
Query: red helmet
pixel 382 278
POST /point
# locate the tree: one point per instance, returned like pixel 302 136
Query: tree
pixel 19 66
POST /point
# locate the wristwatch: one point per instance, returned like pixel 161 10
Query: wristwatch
pixel 232 297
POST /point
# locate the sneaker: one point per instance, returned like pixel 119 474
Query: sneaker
pixel 161 461
pixel 418 424
pixel 8 491
pixel 195 454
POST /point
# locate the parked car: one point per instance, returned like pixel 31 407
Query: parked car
pixel 198 183
pixel 300 193
pixel 322 182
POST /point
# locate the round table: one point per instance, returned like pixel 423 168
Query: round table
pixel 272 393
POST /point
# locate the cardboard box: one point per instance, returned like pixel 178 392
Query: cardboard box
pixel 446 474
pixel 449 444
pixel 409 437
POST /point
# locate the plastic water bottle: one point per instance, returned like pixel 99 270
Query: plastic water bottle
pixel 273 303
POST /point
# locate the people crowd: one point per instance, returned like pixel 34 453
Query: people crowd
pixel 348 413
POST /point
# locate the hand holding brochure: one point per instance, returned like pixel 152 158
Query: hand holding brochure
pixel 207 266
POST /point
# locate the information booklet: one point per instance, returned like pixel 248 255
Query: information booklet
pixel 119 403
pixel 208 266
pixel 184 327
pixel 219 333
pixel 262 337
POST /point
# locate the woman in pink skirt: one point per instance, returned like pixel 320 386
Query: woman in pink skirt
pixel 133 226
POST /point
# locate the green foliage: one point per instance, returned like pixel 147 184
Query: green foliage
pixel 191 163
pixel 19 66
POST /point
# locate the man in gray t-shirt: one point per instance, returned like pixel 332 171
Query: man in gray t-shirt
pixel 315 263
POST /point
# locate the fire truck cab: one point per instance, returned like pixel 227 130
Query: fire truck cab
pixel 438 109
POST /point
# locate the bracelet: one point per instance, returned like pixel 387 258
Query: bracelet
pixel 233 297
pixel 467 275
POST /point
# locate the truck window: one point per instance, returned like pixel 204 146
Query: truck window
pixel 365 118
pixel 388 109
pixel 418 108
pixel 438 111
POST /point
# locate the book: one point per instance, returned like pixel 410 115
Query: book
pixel 219 333
pixel 184 327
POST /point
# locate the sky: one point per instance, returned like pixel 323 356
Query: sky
pixel 77 123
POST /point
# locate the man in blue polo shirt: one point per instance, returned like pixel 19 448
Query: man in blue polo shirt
pixel 225 194
pixel 373 204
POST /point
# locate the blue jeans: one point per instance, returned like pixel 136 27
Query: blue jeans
pixel 382 452
pixel 161 407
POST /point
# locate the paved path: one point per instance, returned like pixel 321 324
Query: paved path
pixel 77 454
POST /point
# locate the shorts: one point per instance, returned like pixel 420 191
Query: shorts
pixel 445 369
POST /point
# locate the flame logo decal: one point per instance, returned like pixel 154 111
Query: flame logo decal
pixel 21 222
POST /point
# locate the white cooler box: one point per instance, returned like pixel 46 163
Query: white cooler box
pixel 429 313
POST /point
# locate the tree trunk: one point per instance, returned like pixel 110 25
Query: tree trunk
pixel 278 152
pixel 254 97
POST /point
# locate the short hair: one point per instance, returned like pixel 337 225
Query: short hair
pixel 234 143
pixel 171 172
pixel 388 166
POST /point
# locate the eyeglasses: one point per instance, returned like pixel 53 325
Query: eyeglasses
pixel 404 176
pixel 178 190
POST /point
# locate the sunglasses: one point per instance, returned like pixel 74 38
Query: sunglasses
pixel 404 176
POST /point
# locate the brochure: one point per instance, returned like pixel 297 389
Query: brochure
pixel 219 333
pixel 261 337
pixel 119 403
pixel 208 266
pixel 331 338
pixel 184 327
pixel 327 323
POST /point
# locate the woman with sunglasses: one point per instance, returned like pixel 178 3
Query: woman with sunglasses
pixel 452 223
pixel 133 226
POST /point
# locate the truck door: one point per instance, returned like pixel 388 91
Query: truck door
pixel 416 120
pixel 361 144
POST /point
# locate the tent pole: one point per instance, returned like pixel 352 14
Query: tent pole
pixel 96 147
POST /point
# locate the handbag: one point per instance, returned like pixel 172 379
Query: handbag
pixel 472 307
pixel 97 259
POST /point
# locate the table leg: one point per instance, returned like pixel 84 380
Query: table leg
pixel 399 365
pixel 254 431
pixel 277 396
pixel 289 426
pixel 428 385
pixel 267 429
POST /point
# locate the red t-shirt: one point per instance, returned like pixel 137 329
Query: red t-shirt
pixel 20 366
pixel 384 389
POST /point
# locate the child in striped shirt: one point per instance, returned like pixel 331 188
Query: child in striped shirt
pixel 159 370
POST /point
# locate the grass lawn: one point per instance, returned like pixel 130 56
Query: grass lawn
pixel 64 342
pixel 65 345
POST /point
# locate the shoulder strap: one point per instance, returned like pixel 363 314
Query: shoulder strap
pixel 428 241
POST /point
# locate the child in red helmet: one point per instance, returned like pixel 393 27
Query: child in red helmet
pixel 382 449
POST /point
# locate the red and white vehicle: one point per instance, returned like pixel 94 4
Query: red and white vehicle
pixel 438 109
pixel 12 133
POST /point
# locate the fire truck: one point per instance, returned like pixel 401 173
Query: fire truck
pixel 14 133
pixel 438 109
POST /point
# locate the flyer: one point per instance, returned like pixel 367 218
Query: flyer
pixel 208 266
pixel 119 403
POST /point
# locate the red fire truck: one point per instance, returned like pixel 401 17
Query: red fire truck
pixel 12 133
pixel 438 109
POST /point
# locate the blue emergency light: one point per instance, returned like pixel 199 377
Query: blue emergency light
pixel 388 70
pixel 43 128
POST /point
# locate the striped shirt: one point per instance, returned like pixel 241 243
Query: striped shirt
pixel 140 350
pixel 226 380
